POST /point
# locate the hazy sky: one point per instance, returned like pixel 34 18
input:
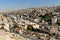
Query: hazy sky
pixel 19 4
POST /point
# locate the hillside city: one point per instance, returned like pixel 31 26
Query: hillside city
pixel 31 24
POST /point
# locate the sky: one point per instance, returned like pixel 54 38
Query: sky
pixel 7 5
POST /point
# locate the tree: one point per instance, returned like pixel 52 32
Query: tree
pixel 47 18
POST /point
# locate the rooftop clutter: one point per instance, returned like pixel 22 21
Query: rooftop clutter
pixel 32 23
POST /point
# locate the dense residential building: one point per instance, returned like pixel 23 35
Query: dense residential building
pixel 31 24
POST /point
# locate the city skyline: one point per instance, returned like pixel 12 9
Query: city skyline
pixel 8 5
